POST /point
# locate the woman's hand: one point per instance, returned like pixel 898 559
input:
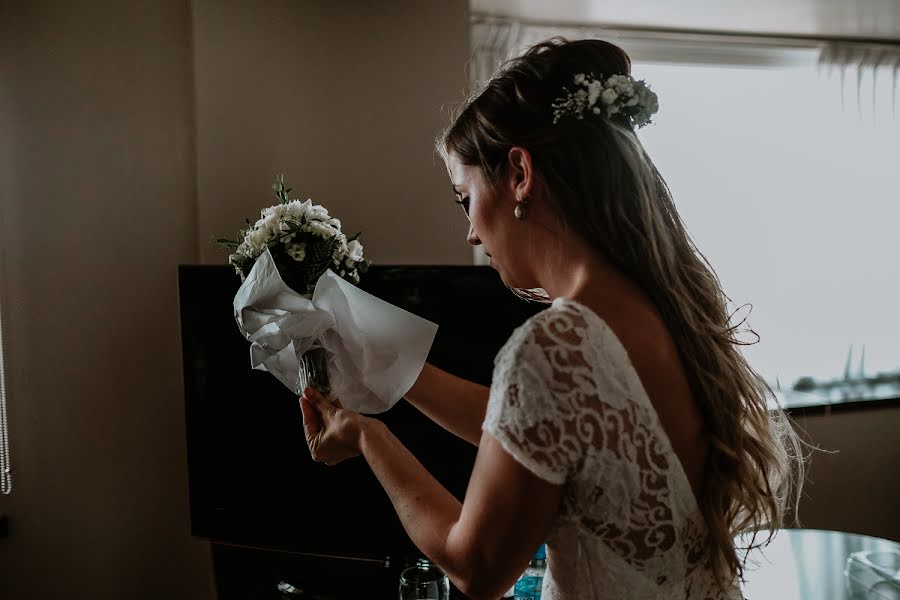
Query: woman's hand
pixel 332 432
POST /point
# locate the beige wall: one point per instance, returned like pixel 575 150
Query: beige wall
pixel 344 98
pixel 853 482
pixel 98 208
pixel 105 188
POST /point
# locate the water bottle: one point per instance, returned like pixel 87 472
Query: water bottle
pixel 528 587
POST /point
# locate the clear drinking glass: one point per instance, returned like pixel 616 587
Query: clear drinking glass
pixel 425 581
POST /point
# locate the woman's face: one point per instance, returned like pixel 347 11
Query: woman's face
pixel 492 222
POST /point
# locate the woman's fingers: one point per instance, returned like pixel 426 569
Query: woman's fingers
pixel 325 428
pixel 312 420
pixel 316 397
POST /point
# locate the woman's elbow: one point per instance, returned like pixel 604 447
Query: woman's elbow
pixel 479 585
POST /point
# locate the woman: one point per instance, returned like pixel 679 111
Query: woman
pixel 622 425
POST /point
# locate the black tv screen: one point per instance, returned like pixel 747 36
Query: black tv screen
pixel 252 481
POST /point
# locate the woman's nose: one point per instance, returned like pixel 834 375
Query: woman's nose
pixel 472 238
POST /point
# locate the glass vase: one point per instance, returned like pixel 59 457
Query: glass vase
pixel 314 372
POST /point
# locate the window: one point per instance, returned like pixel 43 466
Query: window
pixel 787 175
pixel 794 197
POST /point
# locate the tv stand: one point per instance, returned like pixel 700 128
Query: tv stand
pixel 247 573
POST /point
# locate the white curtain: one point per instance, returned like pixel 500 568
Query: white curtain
pixel 866 76
pixel 496 39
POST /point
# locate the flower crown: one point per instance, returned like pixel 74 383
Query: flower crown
pixel 618 94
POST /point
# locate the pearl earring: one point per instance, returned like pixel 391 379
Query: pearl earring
pixel 520 209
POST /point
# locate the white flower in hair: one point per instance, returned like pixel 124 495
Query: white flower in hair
pixel 617 95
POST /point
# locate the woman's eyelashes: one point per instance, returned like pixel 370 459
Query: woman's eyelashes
pixel 464 202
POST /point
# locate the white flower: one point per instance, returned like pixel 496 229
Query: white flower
pixel 355 250
pixel 299 230
pixel 258 238
pixel 297 209
pixel 277 211
pixel 317 212
pixel 323 230
pixel 297 251
pixel 594 89
pixel 340 250
pixel 608 96
pixel 579 79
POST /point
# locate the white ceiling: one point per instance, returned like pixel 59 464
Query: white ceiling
pixel 870 19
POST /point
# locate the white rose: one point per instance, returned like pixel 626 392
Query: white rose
pixel 297 209
pixel 594 89
pixel 259 237
pixel 278 209
pixel 323 230
pixel 317 212
pixel 608 96
pixel 355 250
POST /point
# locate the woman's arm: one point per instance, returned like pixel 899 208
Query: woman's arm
pixel 452 402
pixel 483 544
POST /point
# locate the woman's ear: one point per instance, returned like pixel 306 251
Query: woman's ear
pixel 521 174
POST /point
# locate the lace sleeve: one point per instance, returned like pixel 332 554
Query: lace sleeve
pixel 531 411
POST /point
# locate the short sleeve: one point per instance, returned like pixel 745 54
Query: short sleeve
pixel 533 410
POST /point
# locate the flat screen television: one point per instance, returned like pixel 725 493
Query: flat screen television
pixel 251 478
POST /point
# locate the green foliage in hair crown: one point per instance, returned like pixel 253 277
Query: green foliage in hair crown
pixel 615 95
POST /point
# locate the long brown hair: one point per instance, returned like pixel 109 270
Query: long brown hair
pixel 608 191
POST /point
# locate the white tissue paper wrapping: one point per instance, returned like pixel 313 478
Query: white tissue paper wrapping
pixel 377 349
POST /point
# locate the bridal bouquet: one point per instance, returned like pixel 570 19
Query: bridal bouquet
pixel 307 322
pixel 304 241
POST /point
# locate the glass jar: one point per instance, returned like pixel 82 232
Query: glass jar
pixel 425 581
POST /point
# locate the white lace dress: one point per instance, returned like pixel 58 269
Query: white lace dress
pixel 567 404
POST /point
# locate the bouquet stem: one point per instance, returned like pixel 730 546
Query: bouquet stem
pixel 314 372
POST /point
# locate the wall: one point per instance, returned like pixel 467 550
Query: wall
pixel 852 483
pixel 111 174
pixel 113 171
pixel 98 208
pixel 346 100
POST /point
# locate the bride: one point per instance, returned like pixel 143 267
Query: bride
pixel 622 426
